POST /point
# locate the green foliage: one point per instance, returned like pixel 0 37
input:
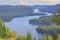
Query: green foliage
pixel 1 22
pixel 22 37
pixel 45 36
pixel 44 20
pixel 14 34
pixel 51 28
pixel 5 32
pixel 50 37
pixel 56 18
pixel 58 38
pixel 8 32
pixel 55 36
pixel 2 30
pixel 29 36
pixel 39 39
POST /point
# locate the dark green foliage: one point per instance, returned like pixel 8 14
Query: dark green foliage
pixel 2 30
pixel 47 24
pixel 45 20
pixel 55 36
pixel 29 36
pixel 56 18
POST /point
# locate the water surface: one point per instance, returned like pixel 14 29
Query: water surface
pixel 21 25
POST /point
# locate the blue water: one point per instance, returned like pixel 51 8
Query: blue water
pixel 21 26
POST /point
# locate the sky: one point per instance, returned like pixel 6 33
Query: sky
pixel 29 2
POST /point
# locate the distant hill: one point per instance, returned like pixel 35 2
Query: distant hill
pixel 28 9
pixel 47 8
pixel 8 12
pixel 42 8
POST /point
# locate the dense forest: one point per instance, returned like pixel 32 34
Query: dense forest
pixel 7 34
pixel 49 25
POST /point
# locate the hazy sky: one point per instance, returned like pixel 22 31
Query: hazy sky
pixel 29 2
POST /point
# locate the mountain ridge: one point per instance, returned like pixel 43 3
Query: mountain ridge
pixel 8 12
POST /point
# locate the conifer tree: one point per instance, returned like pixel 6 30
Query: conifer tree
pixel 45 36
pixel 29 36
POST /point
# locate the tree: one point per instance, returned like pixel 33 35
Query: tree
pixel 58 38
pixel 29 36
pixel 45 37
pixel 8 32
pixel 39 39
pixel 1 23
pixel 50 37
pixel 14 35
pixel 2 30
pixel 56 17
pixel 22 37
pixel 5 32
pixel 55 36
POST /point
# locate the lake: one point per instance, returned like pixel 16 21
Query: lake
pixel 21 25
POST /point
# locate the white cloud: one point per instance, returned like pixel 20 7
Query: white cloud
pixel 38 2
pixel 28 2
